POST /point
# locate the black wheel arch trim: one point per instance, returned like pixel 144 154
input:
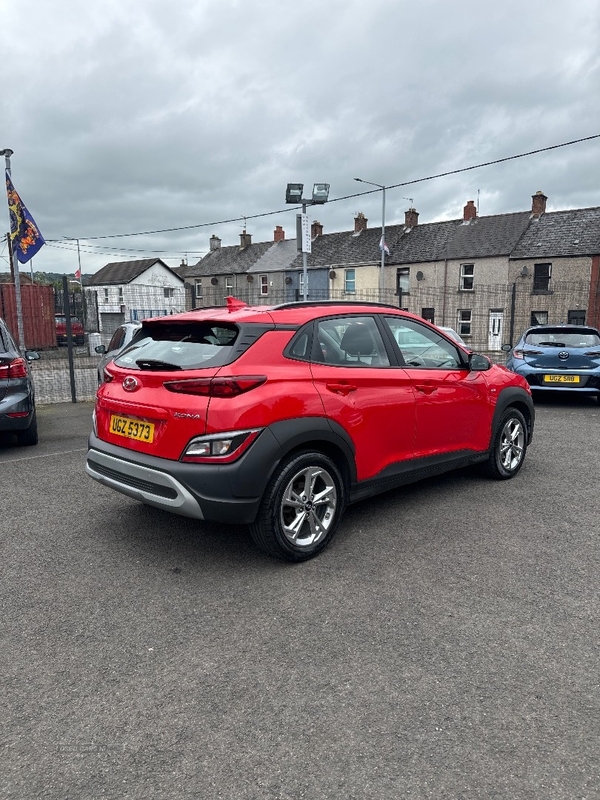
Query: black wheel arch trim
pixel 518 397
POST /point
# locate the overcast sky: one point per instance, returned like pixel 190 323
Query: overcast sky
pixel 128 116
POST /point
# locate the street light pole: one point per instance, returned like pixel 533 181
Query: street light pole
pixel 304 262
pixel 293 194
pixel 382 244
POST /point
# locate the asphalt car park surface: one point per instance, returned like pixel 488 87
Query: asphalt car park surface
pixel 445 645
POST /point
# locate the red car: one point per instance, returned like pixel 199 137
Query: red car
pixel 279 417
pixel 77 330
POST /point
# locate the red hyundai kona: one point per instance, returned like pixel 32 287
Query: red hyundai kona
pixel 279 417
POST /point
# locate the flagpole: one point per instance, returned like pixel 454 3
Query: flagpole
pixel 7 153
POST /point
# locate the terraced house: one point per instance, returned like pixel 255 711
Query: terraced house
pixel 488 277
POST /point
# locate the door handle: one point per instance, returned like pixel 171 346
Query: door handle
pixel 340 388
pixel 425 389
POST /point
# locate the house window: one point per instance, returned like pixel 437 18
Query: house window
pixel 120 294
pixel 350 281
pixel 198 288
pixel 576 317
pixel 169 292
pixel 106 295
pixel 428 314
pixel 541 277
pixel 466 277
pixel 464 321
pixel 539 317
pixel 229 284
pixel 264 284
pixel 402 281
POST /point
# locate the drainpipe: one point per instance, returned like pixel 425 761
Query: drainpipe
pixel 445 291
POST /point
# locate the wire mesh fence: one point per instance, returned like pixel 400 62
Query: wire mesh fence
pixel 486 318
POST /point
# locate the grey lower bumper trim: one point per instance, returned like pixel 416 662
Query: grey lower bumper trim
pixel 147 485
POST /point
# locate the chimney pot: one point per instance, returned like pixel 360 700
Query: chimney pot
pixel 469 211
pixel 278 234
pixel 316 229
pixel 538 204
pixel 245 240
pixel 360 222
pixel 215 243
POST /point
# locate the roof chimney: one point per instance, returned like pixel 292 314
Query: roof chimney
pixel 411 218
pixel 360 222
pixel 469 211
pixel 538 204
pixel 215 243
pixel 245 240
pixel 278 234
pixel 316 229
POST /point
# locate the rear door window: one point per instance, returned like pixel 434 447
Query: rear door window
pixel 175 346
pixel 350 341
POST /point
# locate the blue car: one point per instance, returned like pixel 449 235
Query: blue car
pixel 564 358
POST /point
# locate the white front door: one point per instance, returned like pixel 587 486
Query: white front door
pixel 495 330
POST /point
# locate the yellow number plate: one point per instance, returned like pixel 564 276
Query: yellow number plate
pixel 132 428
pixel 561 378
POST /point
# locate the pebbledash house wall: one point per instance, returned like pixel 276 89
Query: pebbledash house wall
pixel 142 296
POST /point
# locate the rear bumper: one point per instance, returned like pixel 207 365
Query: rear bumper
pixel 589 383
pixel 227 493
pixel 15 402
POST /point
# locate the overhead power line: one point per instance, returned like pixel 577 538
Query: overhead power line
pixel 349 196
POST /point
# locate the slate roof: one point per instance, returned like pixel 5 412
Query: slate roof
pixel 124 271
pixel 516 235
pixel 231 260
pixel 561 233
pixel 279 256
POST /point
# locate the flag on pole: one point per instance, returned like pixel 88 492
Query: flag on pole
pixel 78 274
pixel 383 246
pixel 25 236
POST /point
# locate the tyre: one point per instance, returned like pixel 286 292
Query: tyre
pixel 30 435
pixel 508 446
pixel 301 507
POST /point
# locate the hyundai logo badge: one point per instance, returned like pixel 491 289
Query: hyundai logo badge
pixel 130 384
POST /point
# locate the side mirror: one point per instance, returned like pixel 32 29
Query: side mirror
pixel 100 348
pixel 506 347
pixel 32 355
pixel 479 363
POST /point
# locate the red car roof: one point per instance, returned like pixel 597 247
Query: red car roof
pixel 290 314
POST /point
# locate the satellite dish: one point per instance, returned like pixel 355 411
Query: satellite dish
pixel 420 275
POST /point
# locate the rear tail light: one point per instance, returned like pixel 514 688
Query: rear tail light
pixel 517 354
pixel 17 368
pixel 217 387
pixel 222 447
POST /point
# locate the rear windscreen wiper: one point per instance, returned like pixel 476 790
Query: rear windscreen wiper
pixel 151 363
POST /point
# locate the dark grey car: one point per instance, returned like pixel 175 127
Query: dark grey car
pixel 17 394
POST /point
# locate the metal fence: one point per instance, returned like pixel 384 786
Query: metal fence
pixel 486 318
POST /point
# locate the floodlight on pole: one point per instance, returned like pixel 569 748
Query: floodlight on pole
pixel 382 244
pixel 293 194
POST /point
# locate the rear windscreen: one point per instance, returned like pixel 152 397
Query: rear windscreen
pixel 179 346
pixel 560 338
